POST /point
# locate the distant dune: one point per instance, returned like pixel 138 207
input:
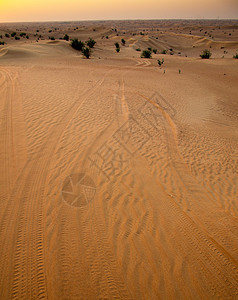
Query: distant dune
pixel 118 177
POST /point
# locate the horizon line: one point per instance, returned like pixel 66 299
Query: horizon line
pixel 109 20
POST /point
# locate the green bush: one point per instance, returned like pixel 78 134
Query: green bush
pixel 155 51
pixel 146 54
pixel 78 45
pixel 150 49
pixel 90 43
pixel 66 37
pixel 117 47
pixel 164 51
pixel 13 34
pixel 138 49
pixel 7 35
pixel 123 42
pixel 27 36
pixel 22 34
pixel 206 54
pixel 236 56
pixel 17 38
pixel 160 62
pixel 86 52
pixel 51 38
pixel 2 43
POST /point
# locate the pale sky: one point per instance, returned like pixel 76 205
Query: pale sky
pixel 67 10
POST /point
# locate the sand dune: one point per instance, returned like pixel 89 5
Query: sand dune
pixel 117 180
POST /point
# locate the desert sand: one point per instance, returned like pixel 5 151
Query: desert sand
pixel 118 178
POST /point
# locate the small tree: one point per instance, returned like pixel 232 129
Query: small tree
pixel 78 45
pixel 86 52
pixel 117 47
pixel 164 51
pixel 146 54
pixel 13 34
pixel 236 56
pixel 155 51
pixel 7 35
pixel 123 42
pixel 160 62
pixel 206 54
pixel 91 43
pixel 66 37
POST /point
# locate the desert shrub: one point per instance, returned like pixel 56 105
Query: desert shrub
pixel 78 45
pixel 17 38
pixel 2 43
pixel 50 31
pixel 7 35
pixel 206 54
pixel 107 37
pixel 146 54
pixel 138 49
pixel 155 51
pixel 160 62
pixel 13 34
pixel 164 51
pixel 66 37
pixel 51 38
pixel 86 52
pixel 22 34
pixel 149 48
pixel 179 71
pixel 27 36
pixel 90 43
pixel 117 47
pixel 123 42
pixel 0 36
pixel 236 56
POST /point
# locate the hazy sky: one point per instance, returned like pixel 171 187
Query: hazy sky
pixel 53 10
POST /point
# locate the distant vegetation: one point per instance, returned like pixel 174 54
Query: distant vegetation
pixel 90 43
pixel 13 34
pixel 160 62
pixel 236 56
pixel 146 54
pixel 138 49
pixel 51 38
pixel 206 54
pixel 17 38
pixel 22 34
pixel 78 45
pixel 66 37
pixel 154 51
pixel 2 43
pixel 123 42
pixel 7 35
pixel 117 47
pixel 164 51
pixel 86 52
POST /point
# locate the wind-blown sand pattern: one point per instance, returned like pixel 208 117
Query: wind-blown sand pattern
pixel 117 180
